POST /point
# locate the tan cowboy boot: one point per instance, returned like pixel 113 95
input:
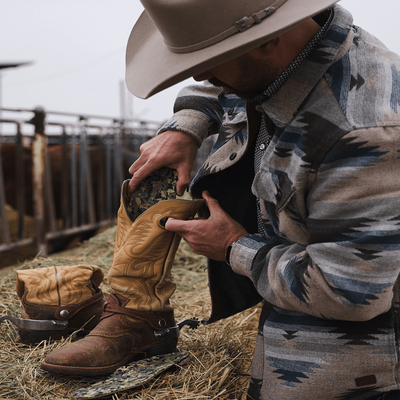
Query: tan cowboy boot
pixel 138 320
pixel 58 300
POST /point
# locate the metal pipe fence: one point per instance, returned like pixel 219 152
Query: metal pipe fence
pixel 62 173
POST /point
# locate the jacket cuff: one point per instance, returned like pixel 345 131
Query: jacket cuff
pixel 194 123
pixel 243 253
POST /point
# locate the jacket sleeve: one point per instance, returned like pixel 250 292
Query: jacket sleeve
pixel 197 112
pixel 348 267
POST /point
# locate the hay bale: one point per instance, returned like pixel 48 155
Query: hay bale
pixel 220 353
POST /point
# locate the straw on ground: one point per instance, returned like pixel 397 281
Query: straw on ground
pixel 220 353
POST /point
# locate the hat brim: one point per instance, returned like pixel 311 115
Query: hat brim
pixel 151 67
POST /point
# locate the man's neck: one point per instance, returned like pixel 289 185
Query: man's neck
pixel 309 34
pixel 293 42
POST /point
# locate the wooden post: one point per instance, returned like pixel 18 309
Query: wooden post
pixel 38 172
pixel 3 213
pixel 20 182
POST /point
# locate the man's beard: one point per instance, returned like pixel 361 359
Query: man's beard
pixel 255 79
pixel 245 95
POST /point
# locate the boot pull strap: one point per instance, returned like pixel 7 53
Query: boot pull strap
pixel 66 312
pixel 157 323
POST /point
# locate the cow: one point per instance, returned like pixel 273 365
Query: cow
pixel 19 189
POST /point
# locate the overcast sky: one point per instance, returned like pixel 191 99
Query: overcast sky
pixel 77 50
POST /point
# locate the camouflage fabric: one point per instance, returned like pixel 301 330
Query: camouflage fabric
pixel 131 375
pixel 158 186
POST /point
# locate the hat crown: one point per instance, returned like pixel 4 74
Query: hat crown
pixel 189 25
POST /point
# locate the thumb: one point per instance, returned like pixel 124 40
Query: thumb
pixel 175 225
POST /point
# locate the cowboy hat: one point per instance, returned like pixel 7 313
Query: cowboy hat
pixel 176 39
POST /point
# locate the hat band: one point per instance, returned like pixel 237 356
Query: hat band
pixel 240 26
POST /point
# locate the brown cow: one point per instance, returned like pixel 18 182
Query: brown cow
pixel 60 169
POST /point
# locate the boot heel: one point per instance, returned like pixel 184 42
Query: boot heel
pixel 32 337
pixel 161 349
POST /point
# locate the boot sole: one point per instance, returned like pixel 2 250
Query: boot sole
pixel 108 369
pixel 33 337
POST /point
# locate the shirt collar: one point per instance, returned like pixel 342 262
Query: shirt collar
pixel 284 96
pixel 295 64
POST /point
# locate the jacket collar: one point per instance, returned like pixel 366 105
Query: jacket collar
pixel 333 45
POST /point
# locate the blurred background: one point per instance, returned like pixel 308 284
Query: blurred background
pixel 69 128
pixel 76 51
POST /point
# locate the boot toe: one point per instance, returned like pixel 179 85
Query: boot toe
pixel 86 357
pixel 116 340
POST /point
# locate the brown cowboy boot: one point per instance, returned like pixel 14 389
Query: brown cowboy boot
pixel 138 320
pixel 57 301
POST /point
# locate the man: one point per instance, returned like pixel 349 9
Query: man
pixel 305 176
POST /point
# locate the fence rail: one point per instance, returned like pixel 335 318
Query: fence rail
pixel 61 173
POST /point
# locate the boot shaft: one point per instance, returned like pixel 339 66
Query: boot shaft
pixel 58 285
pixel 145 251
pixel 60 293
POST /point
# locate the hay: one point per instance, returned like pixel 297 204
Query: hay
pixel 220 353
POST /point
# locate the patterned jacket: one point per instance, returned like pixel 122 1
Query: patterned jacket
pixel 329 186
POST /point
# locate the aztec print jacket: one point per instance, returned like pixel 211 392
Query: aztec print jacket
pixel 329 186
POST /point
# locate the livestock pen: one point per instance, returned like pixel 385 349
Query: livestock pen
pixel 61 174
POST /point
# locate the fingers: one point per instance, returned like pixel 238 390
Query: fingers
pixel 181 187
pixel 212 204
pixel 173 149
pixel 136 180
pixel 140 170
pixel 183 181
pixel 143 166
pixel 142 160
pixel 136 165
pixel 209 237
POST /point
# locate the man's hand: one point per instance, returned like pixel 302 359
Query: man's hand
pixel 173 149
pixel 209 237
